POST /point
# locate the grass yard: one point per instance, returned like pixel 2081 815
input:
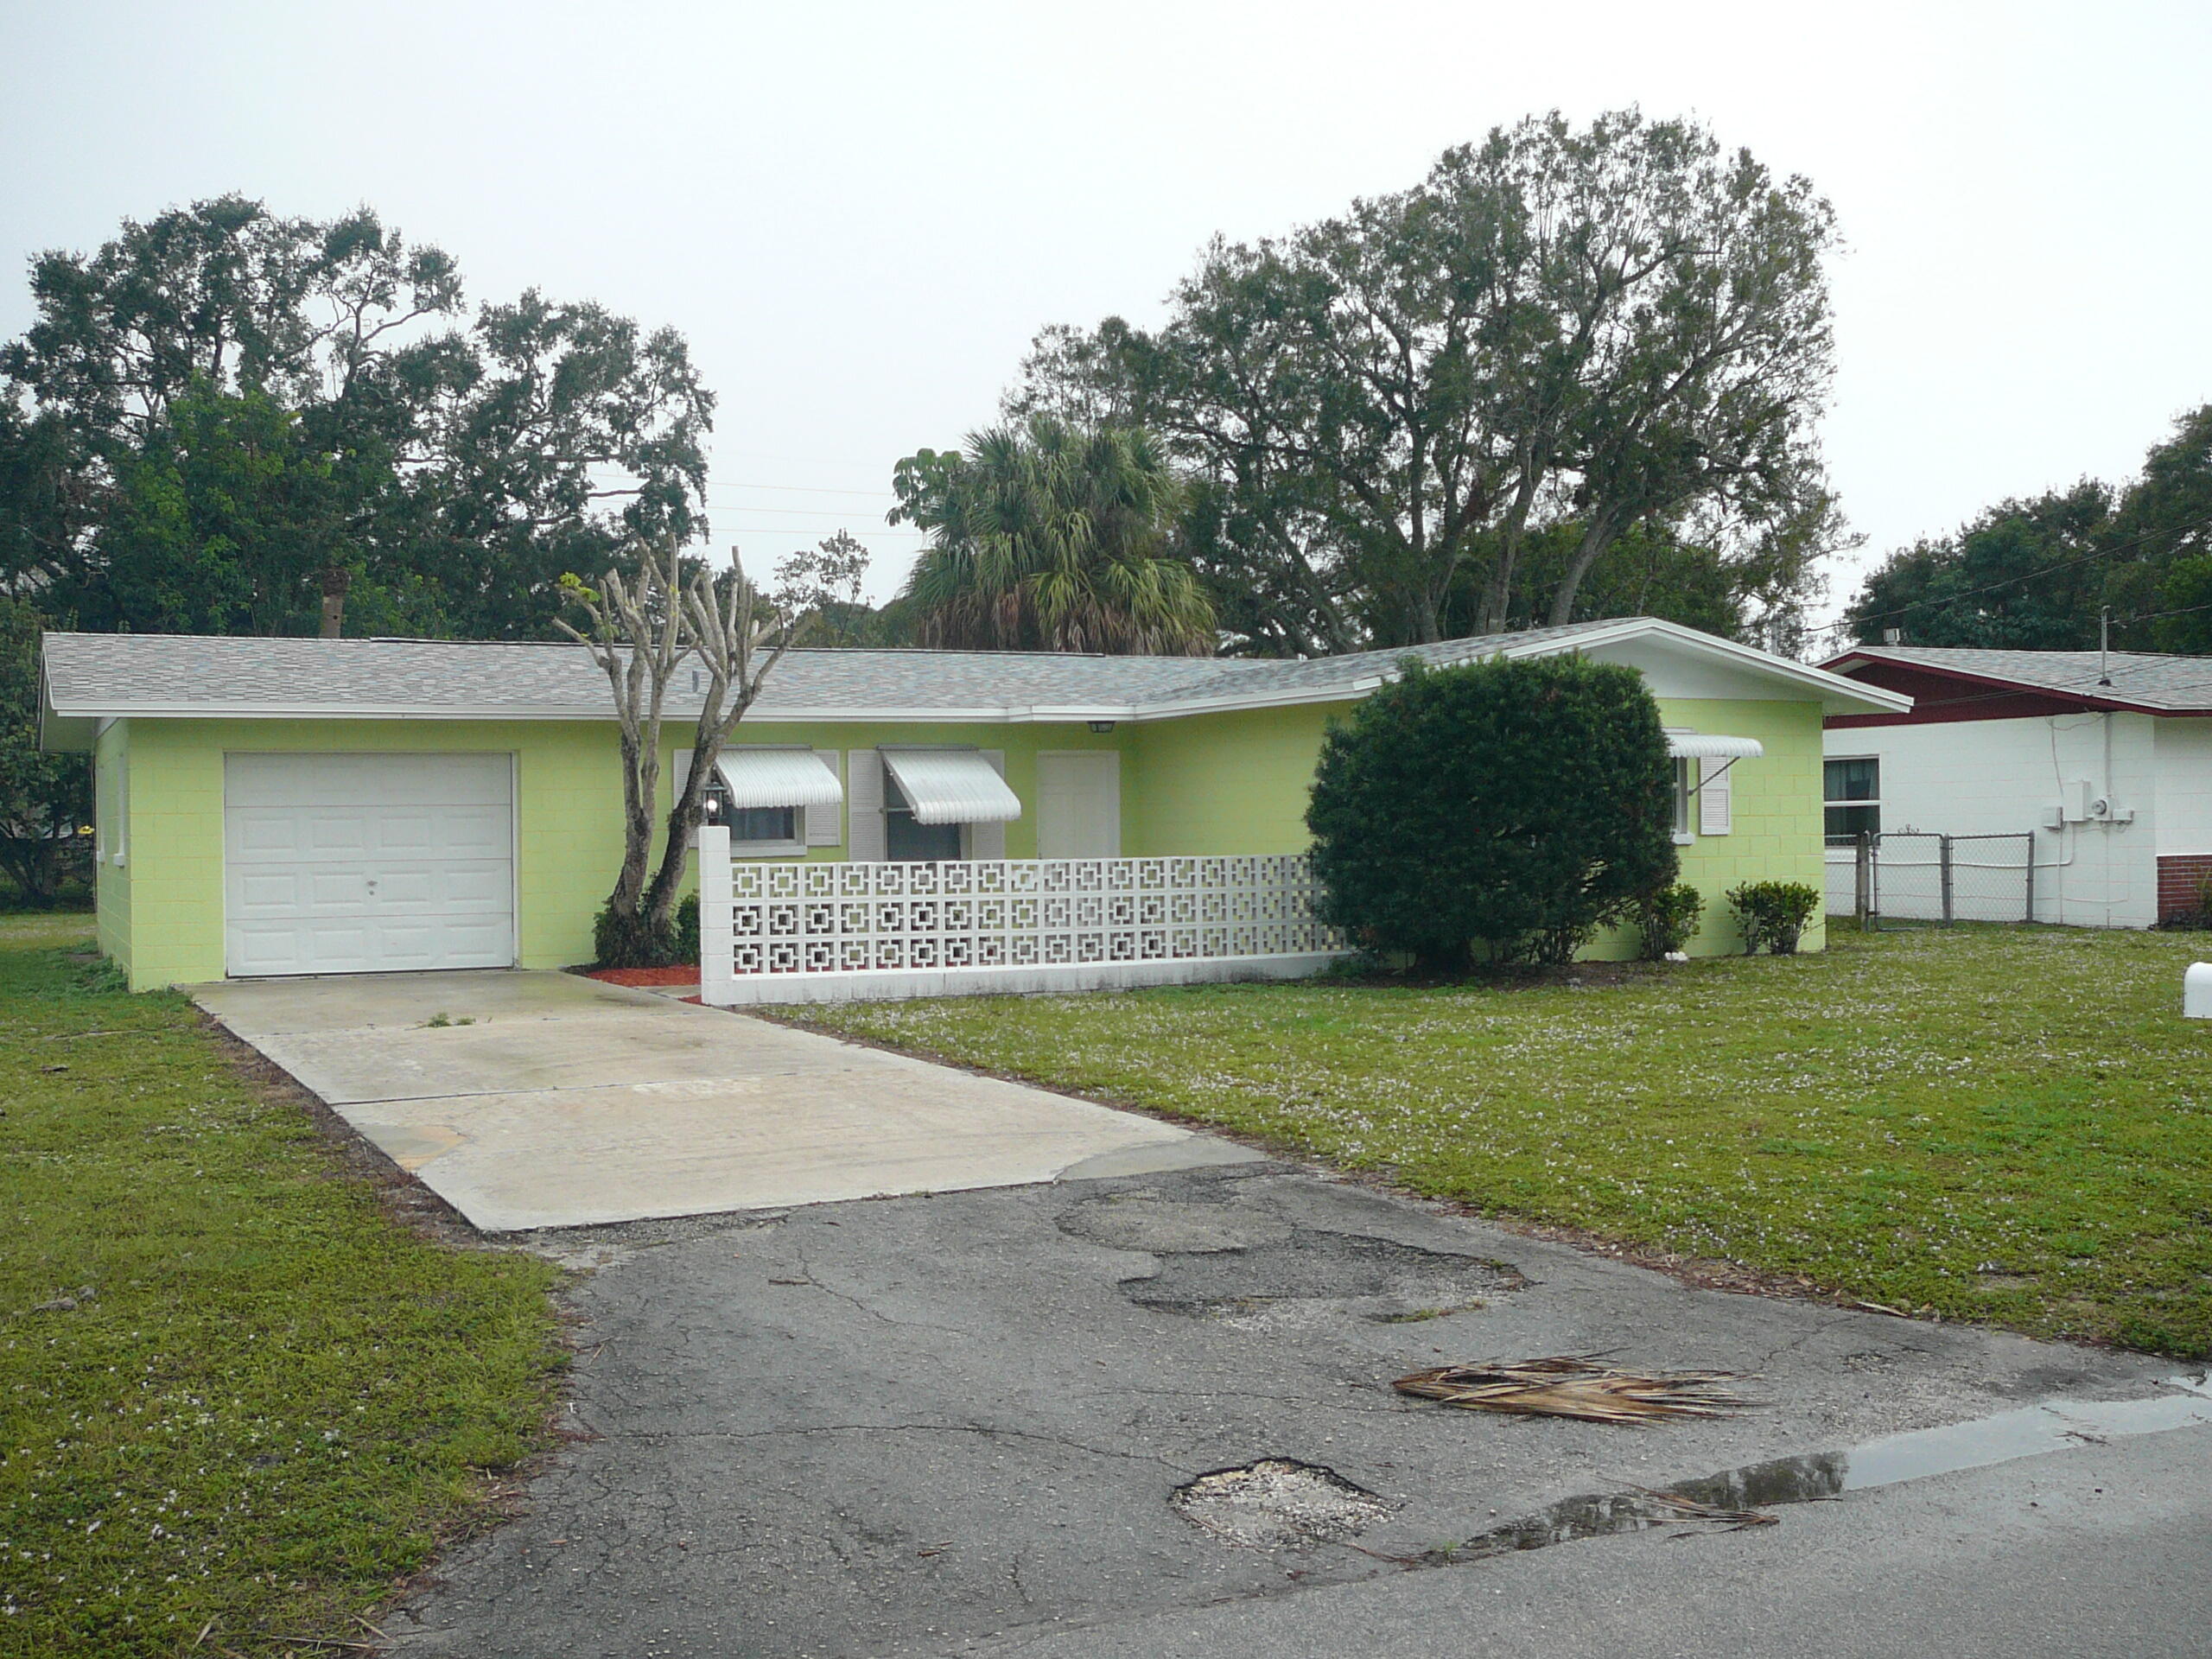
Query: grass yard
pixel 276 1398
pixel 2002 1124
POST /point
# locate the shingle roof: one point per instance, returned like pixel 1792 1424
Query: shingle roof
pixel 99 673
pixel 188 672
pixel 2144 679
pixel 91 676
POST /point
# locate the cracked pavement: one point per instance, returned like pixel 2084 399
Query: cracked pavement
pixel 954 1425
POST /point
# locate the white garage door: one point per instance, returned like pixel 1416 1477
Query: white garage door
pixel 367 863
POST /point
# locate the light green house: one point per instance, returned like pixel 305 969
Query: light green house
pixel 305 806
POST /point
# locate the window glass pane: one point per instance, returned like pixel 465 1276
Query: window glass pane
pixel 1854 780
pixel 1853 820
pixel 763 823
pixel 903 838
pixel 1681 797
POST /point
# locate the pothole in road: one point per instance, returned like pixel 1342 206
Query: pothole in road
pixel 1225 1261
pixel 1279 1501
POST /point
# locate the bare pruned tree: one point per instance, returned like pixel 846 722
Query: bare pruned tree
pixel 640 630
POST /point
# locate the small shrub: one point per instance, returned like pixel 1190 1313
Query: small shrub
pixel 1666 917
pixel 1773 914
pixel 630 941
pixel 687 928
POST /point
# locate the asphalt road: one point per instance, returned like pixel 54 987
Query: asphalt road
pixel 958 1425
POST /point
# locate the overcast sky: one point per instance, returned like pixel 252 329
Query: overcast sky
pixel 859 214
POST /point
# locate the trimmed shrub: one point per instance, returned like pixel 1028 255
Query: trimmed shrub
pixel 1773 914
pixel 1519 804
pixel 1667 918
pixel 687 928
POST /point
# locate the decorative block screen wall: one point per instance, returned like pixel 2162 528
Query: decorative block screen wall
pixel 857 918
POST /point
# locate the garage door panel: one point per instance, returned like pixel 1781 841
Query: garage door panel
pixel 363 863
pixel 262 893
pixel 262 833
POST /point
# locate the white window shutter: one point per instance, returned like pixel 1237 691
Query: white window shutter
pixel 864 841
pixel 822 825
pixel 988 840
pixel 1716 811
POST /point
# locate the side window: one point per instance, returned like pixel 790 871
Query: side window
pixel 1683 793
pixel 1853 795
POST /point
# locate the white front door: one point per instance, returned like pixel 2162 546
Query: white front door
pixel 367 863
pixel 1079 804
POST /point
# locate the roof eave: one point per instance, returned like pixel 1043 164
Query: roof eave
pixel 2028 687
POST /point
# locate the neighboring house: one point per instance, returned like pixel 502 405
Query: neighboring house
pixel 2105 761
pixel 296 806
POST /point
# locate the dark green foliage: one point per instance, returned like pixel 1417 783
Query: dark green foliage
pixel 633 941
pixel 1773 914
pixel 2035 575
pixel 687 928
pixel 1050 535
pixel 219 405
pixel 45 799
pixel 1523 804
pixel 1583 330
pixel 1666 918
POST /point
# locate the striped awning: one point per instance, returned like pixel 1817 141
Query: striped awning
pixel 1696 746
pixel 778 778
pixel 951 787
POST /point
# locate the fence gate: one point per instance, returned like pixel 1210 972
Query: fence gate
pixel 1911 877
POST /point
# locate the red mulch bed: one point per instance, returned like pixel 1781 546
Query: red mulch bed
pixel 676 976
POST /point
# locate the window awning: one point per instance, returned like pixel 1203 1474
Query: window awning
pixel 951 787
pixel 1696 746
pixel 778 778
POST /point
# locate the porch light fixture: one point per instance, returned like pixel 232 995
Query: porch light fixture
pixel 1101 726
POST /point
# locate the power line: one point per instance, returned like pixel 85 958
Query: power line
pixel 2030 576
pixel 798 512
pixel 800 489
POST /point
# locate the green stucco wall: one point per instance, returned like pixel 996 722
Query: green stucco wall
pixel 1237 783
pixel 1216 784
pixel 569 826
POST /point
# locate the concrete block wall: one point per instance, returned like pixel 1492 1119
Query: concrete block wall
pixel 2001 777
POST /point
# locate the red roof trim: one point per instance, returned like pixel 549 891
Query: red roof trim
pixel 1926 710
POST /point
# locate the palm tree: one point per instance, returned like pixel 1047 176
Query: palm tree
pixel 1046 537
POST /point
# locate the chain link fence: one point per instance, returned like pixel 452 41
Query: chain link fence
pixel 1910 877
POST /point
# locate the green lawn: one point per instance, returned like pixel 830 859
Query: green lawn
pixel 275 1399
pixel 2010 1125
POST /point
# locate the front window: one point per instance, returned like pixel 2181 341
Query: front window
pixel 753 829
pixel 1853 797
pixel 906 841
pixel 1684 793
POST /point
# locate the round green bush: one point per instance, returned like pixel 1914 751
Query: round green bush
pixel 1519 805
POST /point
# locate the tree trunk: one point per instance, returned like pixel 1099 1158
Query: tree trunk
pixel 1604 526
pixel 335 581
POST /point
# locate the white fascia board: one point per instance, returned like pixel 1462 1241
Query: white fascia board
pixel 1834 687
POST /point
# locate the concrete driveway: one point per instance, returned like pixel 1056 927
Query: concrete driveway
pixel 533 1100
